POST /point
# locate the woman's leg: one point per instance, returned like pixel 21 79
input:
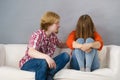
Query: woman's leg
pixel 39 66
pixel 80 55
pixel 74 63
pixel 90 56
pixel 96 63
pixel 60 60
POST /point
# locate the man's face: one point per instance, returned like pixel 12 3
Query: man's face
pixel 55 27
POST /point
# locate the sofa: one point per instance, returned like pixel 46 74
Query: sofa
pixel 109 57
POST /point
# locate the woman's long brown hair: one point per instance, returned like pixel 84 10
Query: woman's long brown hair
pixel 85 27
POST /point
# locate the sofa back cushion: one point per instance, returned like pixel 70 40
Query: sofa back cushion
pixel 2 55
pixel 14 52
pixel 102 57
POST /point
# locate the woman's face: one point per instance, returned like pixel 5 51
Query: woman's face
pixel 55 27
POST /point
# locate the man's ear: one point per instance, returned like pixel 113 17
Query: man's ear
pixel 57 32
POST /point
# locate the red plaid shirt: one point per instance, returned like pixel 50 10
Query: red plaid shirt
pixel 41 43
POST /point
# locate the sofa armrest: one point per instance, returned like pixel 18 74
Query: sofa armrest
pixel 113 55
pixel 2 55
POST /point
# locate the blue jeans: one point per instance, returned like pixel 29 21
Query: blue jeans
pixel 81 59
pixel 41 69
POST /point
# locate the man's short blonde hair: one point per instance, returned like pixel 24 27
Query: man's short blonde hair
pixel 48 19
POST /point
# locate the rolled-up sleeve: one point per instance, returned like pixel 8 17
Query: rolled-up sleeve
pixel 34 41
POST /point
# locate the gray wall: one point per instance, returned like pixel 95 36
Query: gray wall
pixel 19 18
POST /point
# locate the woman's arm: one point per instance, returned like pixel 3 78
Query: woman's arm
pixel 70 40
pixel 76 45
pixel 96 45
pixel 87 46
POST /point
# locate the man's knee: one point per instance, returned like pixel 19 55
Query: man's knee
pixel 66 56
pixel 44 63
pixel 41 63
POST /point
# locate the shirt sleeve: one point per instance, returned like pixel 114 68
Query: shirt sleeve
pixel 70 39
pixel 97 37
pixel 35 40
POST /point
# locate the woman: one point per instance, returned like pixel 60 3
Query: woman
pixel 84 42
pixel 41 47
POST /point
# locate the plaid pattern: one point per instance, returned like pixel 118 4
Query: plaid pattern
pixel 41 43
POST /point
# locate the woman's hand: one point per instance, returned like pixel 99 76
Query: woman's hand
pixel 86 47
pixel 51 62
pixel 88 51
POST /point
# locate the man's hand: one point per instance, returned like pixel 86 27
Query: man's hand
pixel 51 62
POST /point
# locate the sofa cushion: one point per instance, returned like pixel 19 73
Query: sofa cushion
pixel 10 73
pixel 69 74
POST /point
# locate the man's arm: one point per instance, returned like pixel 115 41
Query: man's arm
pixel 39 55
pixel 62 45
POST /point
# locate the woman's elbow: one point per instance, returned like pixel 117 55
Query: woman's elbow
pixel 99 45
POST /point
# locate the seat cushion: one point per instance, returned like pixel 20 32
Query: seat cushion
pixel 69 74
pixel 9 73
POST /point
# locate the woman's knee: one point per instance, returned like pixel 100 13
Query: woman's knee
pixel 89 40
pixel 80 40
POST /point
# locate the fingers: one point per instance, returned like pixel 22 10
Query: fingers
pixel 83 49
pixel 52 64
pixel 88 51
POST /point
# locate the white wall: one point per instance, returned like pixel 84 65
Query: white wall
pixel 19 18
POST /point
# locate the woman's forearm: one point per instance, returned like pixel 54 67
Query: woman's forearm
pixel 95 45
pixel 76 45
